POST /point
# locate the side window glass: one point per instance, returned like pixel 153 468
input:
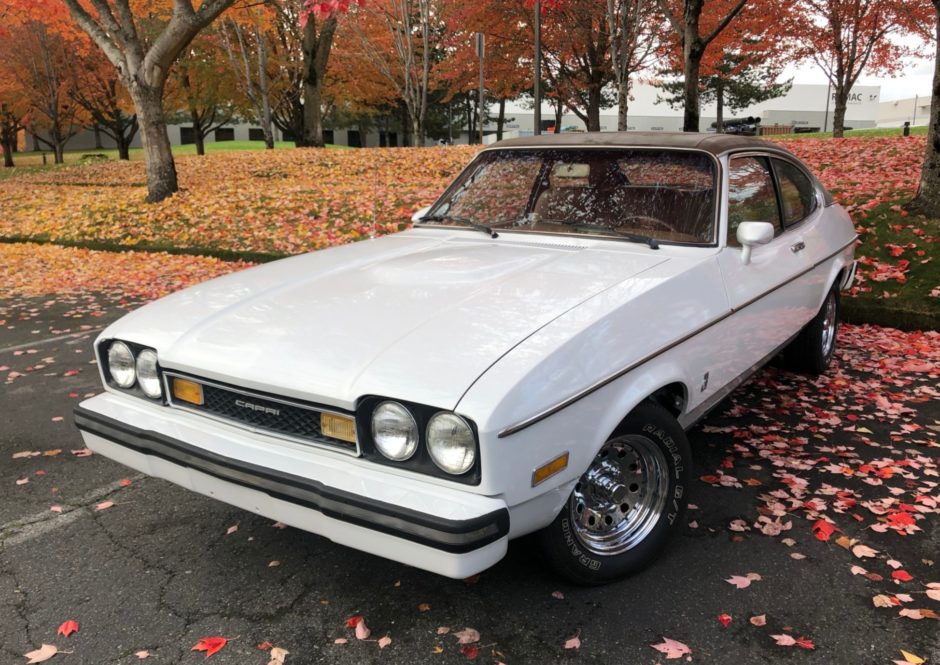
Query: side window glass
pixel 797 193
pixel 751 195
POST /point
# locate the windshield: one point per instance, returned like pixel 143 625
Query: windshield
pixel 668 195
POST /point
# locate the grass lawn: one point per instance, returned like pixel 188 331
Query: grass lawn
pixel 28 162
pixel 876 131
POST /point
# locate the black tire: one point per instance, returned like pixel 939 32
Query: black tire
pixel 572 546
pixel 810 353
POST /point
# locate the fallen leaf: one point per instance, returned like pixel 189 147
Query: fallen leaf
pixel 805 643
pixel 910 658
pixel 278 655
pixel 264 646
pixel 55 508
pixel 759 620
pixel 232 529
pixel 82 452
pixel 858 570
pixel 573 642
pixel 142 654
pixel 22 481
pixel 42 654
pixel 57 419
pixel 354 620
pixel 52 453
pixel 724 619
pixel 797 556
pixel 104 505
pixel 67 628
pixel 882 600
pixel 470 652
pixel 274 564
pixel 558 594
pixel 671 648
pixel 784 640
pixel 26 453
pixel 437 649
pixel 443 630
pixel 823 529
pixel 124 482
pixel 863 551
pixel 424 607
pixel 340 640
pixel 739 582
pixel 362 630
pixel 383 642
pixel 902 575
pixel 210 645
pixel 466 636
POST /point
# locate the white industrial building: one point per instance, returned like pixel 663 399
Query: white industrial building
pixel 915 110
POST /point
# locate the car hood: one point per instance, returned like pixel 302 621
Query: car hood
pixel 416 316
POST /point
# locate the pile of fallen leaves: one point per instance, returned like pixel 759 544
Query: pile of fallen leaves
pixel 283 201
pixel 29 270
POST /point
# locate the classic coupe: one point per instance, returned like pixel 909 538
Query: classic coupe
pixel 527 358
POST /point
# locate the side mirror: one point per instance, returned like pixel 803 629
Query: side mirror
pixel 419 214
pixel 751 234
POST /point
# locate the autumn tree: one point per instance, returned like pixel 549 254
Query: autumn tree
pixel 245 38
pixel 204 91
pixel 847 37
pixel 742 76
pixel 633 28
pixel 143 65
pixel 401 40
pixel 38 53
pixel 696 25
pixel 105 101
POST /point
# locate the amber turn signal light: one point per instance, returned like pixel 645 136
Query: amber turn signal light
pixel 187 391
pixel 546 471
pixel 338 427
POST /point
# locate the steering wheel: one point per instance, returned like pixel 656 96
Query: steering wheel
pixel 648 222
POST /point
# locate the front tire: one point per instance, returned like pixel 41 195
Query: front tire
pixel 811 352
pixel 626 505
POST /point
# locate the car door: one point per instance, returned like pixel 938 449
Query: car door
pixel 768 302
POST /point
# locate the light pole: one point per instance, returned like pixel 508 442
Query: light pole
pixel 537 81
pixel 826 116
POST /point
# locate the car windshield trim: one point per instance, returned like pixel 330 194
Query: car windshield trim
pixel 606 232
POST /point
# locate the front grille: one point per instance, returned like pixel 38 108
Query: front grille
pixel 257 412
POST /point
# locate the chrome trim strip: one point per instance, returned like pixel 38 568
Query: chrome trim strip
pixel 324 443
pixel 542 415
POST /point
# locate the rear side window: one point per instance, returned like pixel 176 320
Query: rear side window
pixel 797 193
pixel 751 195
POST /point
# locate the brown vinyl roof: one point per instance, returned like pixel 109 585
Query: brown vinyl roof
pixel 713 143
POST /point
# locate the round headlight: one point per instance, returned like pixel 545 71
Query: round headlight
pixel 121 364
pixel 394 431
pixel 147 375
pixel 451 444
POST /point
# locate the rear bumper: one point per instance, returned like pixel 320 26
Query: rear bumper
pixel 137 437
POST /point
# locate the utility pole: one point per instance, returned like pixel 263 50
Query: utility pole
pixel 826 117
pixel 481 48
pixel 537 80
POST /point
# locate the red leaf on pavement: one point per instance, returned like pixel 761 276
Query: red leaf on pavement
pixel 470 652
pixel 824 529
pixel 354 620
pixel 759 620
pixel 805 643
pixel 67 628
pixel 724 619
pixel 902 575
pixel 210 645
pixel 264 646
pixel 124 482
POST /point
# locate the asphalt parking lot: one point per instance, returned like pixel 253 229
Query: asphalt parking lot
pixel 161 568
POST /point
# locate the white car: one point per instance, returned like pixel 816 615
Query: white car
pixel 526 359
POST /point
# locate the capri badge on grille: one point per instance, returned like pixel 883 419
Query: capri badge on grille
pixel 257 407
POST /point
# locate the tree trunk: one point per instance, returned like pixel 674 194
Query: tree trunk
pixel 623 102
pixel 97 131
pixel 123 147
pixel 316 48
pixel 838 115
pixel 7 154
pixel 59 150
pixel 161 170
pixel 927 199
pixel 558 112
pixel 594 110
pixel 501 119
pixel 264 91
pixel 693 111
pixel 198 134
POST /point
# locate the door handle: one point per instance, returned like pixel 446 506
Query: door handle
pixel 798 247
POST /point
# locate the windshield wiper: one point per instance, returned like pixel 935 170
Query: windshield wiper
pixel 461 220
pixel 635 237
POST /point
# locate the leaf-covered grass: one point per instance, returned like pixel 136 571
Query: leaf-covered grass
pixel 259 205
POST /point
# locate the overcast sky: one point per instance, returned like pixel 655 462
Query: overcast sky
pixel 916 78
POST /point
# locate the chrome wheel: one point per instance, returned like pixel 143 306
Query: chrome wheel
pixel 621 497
pixel 828 337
